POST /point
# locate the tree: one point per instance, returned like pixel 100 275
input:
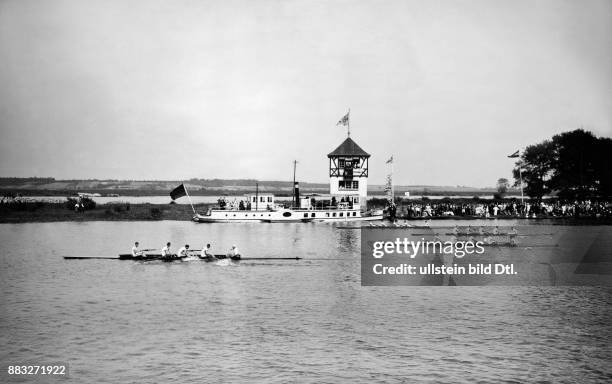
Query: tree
pixel 603 167
pixel 579 165
pixel 536 167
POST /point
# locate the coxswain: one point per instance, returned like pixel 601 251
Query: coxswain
pixel 183 251
pixel 165 251
pixel 206 253
pixel 136 252
pixel 234 253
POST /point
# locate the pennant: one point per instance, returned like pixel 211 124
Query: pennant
pixel 344 120
pixel 177 192
pixel 514 155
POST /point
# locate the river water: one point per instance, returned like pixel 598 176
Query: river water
pixel 276 321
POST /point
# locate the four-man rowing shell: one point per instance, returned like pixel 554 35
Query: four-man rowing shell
pixel 157 256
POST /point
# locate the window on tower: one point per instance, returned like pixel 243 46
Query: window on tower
pixel 348 184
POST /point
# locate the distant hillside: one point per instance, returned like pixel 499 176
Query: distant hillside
pixel 51 186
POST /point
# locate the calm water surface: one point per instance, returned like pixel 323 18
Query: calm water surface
pixel 308 321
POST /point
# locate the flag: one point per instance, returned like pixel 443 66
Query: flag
pixel 177 192
pixel 515 154
pixel 390 160
pixel 344 120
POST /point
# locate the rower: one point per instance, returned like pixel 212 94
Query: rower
pixel 206 253
pixel 513 232
pixel 136 252
pixel 165 252
pixel 183 251
pixel 233 253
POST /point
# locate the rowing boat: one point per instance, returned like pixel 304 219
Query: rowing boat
pixel 150 256
pixel 157 256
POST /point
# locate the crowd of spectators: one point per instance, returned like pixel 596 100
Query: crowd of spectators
pixel 485 209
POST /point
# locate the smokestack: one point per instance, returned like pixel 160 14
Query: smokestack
pixel 296 192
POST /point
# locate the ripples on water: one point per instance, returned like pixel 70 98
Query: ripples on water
pixel 270 321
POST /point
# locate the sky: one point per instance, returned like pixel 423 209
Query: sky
pixel 149 89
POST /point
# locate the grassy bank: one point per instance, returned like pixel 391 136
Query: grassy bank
pixel 48 212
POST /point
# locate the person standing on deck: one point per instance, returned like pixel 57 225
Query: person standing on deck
pixel 165 251
pixel 136 252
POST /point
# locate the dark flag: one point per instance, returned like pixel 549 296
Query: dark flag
pixel 344 120
pixel 178 192
pixel 515 154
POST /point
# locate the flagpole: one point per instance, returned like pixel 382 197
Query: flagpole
pixel 348 121
pixel 392 193
pixel 521 179
pixel 189 197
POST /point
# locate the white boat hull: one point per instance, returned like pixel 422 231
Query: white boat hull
pixel 285 216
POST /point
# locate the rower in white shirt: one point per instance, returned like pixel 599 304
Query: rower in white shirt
pixel 233 253
pixel 165 251
pixel 206 253
pixel 183 251
pixel 136 252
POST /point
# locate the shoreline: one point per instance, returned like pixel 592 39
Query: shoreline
pixel 42 212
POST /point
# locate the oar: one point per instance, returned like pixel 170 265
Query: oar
pixel 89 257
pixel 271 258
pixel 220 257
pixel 483 234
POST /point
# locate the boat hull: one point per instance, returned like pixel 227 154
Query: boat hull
pixel 285 216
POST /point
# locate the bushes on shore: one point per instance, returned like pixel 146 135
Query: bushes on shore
pixel 80 204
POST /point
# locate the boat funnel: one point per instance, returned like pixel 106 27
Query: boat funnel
pixel 296 193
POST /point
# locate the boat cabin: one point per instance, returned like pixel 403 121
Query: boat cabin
pixel 260 202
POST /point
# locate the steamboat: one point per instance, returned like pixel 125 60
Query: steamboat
pixel 347 200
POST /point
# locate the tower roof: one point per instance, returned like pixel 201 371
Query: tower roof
pixel 348 148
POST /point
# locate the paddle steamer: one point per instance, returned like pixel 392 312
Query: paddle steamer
pixel 347 201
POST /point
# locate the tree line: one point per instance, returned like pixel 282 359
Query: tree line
pixel 574 165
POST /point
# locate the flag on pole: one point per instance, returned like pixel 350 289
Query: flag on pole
pixel 390 160
pixel 514 155
pixel 178 192
pixel 344 120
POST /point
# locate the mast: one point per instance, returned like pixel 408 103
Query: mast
pixel 256 196
pixel 293 187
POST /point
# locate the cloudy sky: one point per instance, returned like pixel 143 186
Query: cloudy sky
pixel 235 89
